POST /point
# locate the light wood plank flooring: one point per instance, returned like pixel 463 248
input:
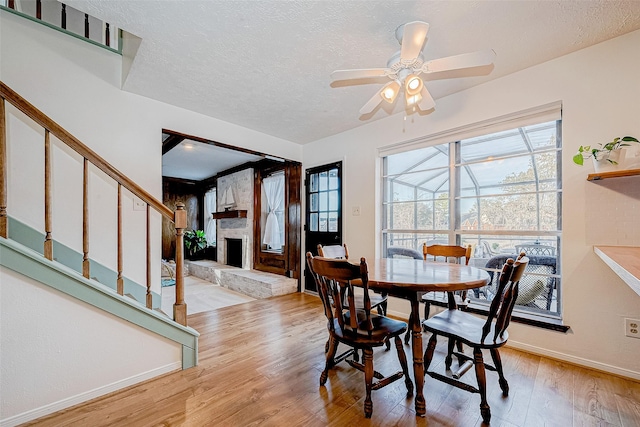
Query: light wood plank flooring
pixel 260 363
pixel 201 295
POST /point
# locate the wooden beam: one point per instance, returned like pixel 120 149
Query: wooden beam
pixel 171 142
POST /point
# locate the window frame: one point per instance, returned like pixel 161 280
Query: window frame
pixel 455 233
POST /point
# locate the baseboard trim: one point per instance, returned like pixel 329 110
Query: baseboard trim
pixel 575 360
pixel 556 355
pixel 91 394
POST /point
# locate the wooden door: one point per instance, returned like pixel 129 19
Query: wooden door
pixel 323 192
pixel 286 259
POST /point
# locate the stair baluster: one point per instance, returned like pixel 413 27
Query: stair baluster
pixel 63 17
pixel 120 279
pixel 3 171
pixel 48 241
pixel 149 296
pixel 86 264
pixel 179 217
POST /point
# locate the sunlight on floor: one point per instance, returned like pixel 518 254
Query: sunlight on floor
pixel 201 295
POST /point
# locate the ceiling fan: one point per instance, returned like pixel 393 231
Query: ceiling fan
pixel 404 69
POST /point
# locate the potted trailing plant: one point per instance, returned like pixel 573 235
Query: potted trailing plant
pixel 607 157
pixel 194 241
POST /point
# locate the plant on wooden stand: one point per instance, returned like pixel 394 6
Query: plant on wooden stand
pixel 608 156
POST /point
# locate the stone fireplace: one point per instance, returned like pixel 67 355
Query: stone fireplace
pixel 236 229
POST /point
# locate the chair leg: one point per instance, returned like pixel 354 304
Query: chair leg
pixel 427 309
pixel 330 353
pixel 460 348
pixel 408 334
pixel 404 365
pixel 428 353
pixel 382 307
pixel 478 362
pixel 449 358
pixel 497 361
pixel 368 379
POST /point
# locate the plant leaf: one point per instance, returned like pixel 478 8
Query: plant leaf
pixel 630 139
pixel 578 159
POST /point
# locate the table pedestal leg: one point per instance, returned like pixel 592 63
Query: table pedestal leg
pixel 418 366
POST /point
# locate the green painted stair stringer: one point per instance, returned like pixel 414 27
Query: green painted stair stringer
pixel 30 263
pixel 34 239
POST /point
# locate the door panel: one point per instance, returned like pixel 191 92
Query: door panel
pixel 323 192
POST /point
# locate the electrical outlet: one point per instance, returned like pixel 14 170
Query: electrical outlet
pixel 632 328
pixel 139 205
pixel 355 211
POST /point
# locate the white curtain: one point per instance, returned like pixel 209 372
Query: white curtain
pixel 210 223
pixel 274 189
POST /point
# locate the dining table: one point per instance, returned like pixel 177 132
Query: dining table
pixel 408 279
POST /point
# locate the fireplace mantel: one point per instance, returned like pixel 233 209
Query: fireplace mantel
pixel 236 213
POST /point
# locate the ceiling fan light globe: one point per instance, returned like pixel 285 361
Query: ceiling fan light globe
pixel 413 85
pixel 390 91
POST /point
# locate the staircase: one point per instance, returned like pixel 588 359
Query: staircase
pixel 70 319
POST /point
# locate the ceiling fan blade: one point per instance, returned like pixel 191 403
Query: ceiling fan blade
pixel 365 73
pixel 412 40
pixel 466 60
pixel 427 102
pixel 372 103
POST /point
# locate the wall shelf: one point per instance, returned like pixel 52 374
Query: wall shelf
pixel 614 174
pixel 624 261
pixel 236 213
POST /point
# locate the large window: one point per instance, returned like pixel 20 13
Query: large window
pixel 499 193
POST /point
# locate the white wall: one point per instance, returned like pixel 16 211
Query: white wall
pixel 77 85
pixel 57 351
pixel 599 89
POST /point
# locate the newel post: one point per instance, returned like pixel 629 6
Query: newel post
pixel 180 308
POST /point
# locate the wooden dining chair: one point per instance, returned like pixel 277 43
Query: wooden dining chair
pixel 441 253
pixel 378 300
pixel 353 326
pixel 479 334
pixel 445 253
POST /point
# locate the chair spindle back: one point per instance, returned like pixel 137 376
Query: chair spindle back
pixel 336 277
pixel 333 251
pixel 502 304
pixel 447 251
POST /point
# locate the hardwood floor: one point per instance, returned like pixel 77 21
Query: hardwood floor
pixel 260 364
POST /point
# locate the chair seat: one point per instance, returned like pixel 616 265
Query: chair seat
pixel 464 327
pixel 383 329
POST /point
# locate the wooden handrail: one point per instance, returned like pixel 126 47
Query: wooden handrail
pixel 59 132
pixel 179 218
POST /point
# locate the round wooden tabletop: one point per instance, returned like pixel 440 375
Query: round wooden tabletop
pixel 404 275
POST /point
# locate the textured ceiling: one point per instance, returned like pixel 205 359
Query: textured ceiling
pixel 265 65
